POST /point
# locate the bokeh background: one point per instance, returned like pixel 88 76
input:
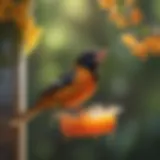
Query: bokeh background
pixel 70 27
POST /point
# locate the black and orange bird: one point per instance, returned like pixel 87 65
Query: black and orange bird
pixel 72 89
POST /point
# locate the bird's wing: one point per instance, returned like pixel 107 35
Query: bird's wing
pixel 63 81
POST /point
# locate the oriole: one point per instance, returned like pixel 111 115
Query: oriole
pixel 73 89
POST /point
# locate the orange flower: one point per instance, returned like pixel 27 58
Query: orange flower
pixel 107 4
pixel 19 12
pixel 118 19
pixel 113 14
pixel 31 35
pixel 137 48
pixel 129 3
pixel 153 43
pixel 121 22
pixel 92 123
pixel 129 40
pixel 136 16
pixel 141 51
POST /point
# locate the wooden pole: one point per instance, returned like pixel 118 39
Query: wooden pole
pixel 22 99
pixel 22 106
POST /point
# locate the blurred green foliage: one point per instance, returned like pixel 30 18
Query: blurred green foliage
pixel 72 26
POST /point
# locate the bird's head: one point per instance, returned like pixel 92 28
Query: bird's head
pixel 91 59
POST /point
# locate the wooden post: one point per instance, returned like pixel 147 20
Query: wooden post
pixel 22 99
pixel 22 106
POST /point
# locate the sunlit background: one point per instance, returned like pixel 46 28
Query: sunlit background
pixel 70 27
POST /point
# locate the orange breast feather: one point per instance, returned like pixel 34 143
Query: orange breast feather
pixel 82 88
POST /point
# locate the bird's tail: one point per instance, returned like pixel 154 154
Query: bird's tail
pixel 25 117
pixel 40 106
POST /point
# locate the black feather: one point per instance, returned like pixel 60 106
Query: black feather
pixel 63 81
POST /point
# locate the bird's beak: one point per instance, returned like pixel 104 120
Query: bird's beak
pixel 101 55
